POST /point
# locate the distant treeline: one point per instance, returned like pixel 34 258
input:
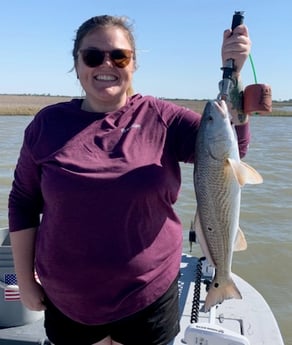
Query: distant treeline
pixel 35 95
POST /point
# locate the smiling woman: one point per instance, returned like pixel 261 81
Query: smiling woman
pixel 95 184
pixel 107 49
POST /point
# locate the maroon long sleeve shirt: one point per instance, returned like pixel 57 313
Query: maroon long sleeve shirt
pixel 109 242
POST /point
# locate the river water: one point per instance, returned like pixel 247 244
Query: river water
pixel 266 209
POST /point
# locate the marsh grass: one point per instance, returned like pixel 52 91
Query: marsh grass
pixel 31 104
pixel 27 104
pixel 195 105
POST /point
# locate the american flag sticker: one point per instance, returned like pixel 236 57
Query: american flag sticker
pixel 11 292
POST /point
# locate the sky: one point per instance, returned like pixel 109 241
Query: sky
pixel 178 44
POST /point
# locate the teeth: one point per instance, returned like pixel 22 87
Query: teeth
pixel 105 77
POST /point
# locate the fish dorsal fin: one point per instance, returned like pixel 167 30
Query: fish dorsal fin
pixel 240 241
pixel 201 239
pixel 244 173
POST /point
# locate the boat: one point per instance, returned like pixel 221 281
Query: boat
pixel 248 321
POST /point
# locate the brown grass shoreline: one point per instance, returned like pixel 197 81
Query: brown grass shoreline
pixel 31 104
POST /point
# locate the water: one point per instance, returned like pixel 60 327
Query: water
pixel 266 211
pixel 285 108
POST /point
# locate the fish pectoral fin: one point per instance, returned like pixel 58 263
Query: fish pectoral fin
pixel 240 241
pixel 202 240
pixel 244 173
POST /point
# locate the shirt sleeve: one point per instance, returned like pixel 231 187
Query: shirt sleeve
pixel 182 124
pixel 183 128
pixel 243 138
pixel 25 199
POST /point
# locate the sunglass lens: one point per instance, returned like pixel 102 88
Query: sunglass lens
pixel 93 57
pixel 121 57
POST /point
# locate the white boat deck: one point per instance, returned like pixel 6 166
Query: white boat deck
pixel 250 317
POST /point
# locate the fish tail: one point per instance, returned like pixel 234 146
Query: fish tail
pixel 217 293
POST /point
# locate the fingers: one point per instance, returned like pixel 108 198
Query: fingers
pixel 227 33
pixel 238 40
pixel 33 303
pixel 236 46
pixel 239 30
pixel 33 297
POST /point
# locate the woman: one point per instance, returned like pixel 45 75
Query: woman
pixel 103 172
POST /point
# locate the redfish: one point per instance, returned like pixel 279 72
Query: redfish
pixel 219 175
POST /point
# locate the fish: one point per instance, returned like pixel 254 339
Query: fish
pixel 219 175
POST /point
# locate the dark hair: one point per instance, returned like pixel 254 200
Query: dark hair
pixel 100 22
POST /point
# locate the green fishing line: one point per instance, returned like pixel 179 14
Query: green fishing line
pixel 253 68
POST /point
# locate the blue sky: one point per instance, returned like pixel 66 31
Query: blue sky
pixel 178 44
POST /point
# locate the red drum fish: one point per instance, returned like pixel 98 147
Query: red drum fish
pixel 219 175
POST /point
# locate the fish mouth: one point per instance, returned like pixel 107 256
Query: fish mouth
pixel 221 106
pixel 218 106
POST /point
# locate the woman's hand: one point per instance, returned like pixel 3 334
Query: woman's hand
pixel 32 295
pixel 236 45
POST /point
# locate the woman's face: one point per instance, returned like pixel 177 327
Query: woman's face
pixel 106 84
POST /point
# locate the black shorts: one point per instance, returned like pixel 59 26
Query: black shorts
pixel 157 324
